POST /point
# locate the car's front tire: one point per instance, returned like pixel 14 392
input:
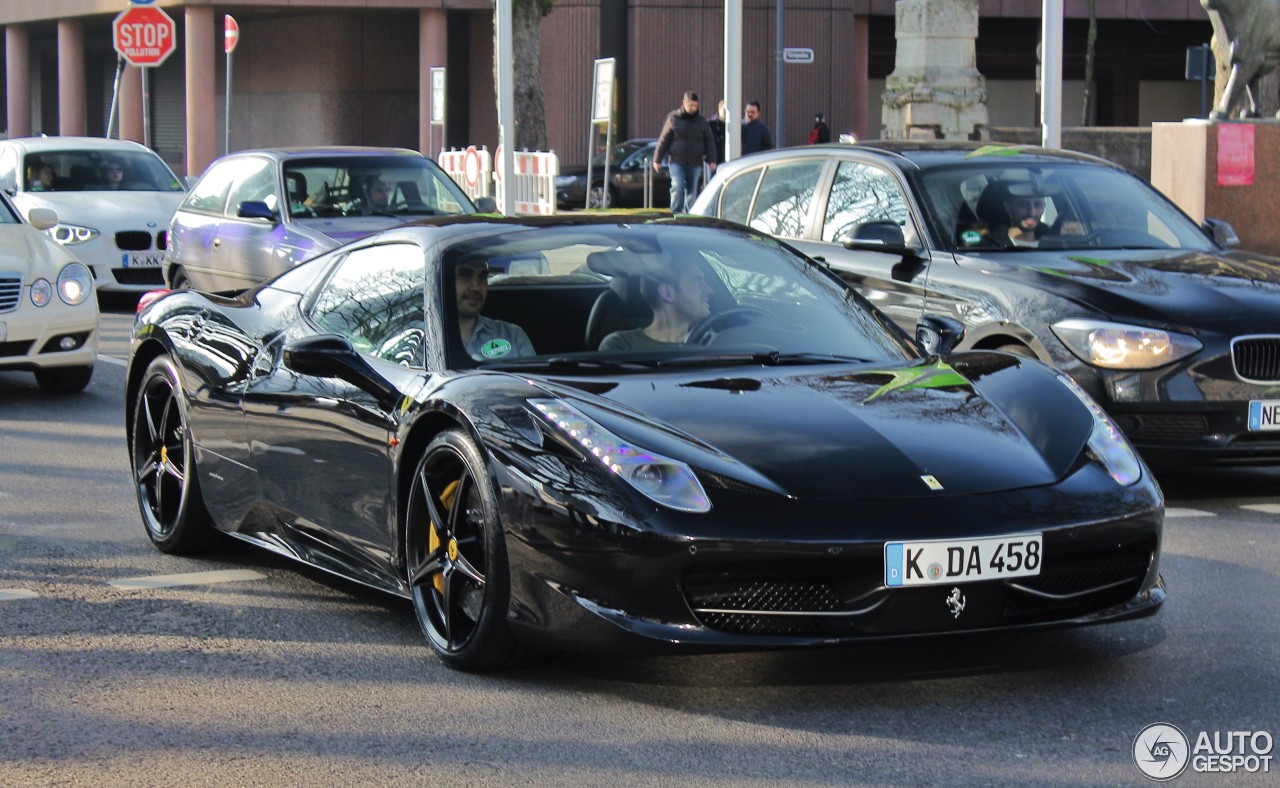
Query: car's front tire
pixel 64 380
pixel 180 280
pixel 164 469
pixel 457 558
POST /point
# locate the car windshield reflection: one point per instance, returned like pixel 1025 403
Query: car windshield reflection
pixel 370 186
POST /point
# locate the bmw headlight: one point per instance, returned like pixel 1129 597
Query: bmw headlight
pixel 75 283
pixel 662 479
pixel 41 292
pixel 1107 445
pixel 71 234
pixel 1118 346
pixel 565 180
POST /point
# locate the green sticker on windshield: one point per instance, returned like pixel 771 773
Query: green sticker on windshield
pixel 971 237
pixel 495 348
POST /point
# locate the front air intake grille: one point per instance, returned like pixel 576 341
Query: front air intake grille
pixel 133 240
pixel 146 275
pixel 10 291
pixel 1257 359
pixel 1168 429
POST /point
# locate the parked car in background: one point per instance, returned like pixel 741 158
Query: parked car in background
pixel 255 214
pixel 48 313
pixel 113 198
pixel 1177 336
pixel 629 167
pixel 799 473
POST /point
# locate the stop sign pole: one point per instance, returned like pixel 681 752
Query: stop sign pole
pixel 144 36
pixel 230 37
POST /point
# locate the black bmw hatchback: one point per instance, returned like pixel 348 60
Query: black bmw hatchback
pixel 1051 254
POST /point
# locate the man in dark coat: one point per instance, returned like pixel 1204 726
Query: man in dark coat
pixel 755 135
pixel 686 137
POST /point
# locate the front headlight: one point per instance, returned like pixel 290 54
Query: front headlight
pixel 565 180
pixel 75 283
pixel 1118 346
pixel 41 292
pixel 1107 445
pixel 71 234
pixel 662 479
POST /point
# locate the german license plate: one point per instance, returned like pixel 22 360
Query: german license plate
pixel 1264 415
pixel 141 259
pixel 967 561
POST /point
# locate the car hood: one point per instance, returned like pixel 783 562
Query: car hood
pixel 1229 291
pixel 988 423
pixel 348 228
pixel 106 210
pixel 27 251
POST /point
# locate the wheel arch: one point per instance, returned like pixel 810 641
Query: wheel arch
pixel 996 336
pixel 141 358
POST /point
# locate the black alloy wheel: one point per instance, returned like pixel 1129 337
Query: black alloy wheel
pixel 457 564
pixel 164 471
pixel 599 197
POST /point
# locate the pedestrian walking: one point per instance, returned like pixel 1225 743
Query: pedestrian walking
pixel 686 138
pixel 755 135
pixel 821 131
pixel 717 125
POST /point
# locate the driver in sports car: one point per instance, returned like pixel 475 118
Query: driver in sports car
pixel 679 297
pixel 485 338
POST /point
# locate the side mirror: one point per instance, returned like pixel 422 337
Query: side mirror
pixel 42 218
pixel 332 356
pixel 881 236
pixel 486 205
pixel 938 335
pixel 190 180
pixel 255 209
pixel 1222 233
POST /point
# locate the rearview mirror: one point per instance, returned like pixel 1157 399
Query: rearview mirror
pixel 938 335
pixel 255 209
pixel 880 236
pixel 1222 233
pixel 486 205
pixel 42 218
pixel 332 356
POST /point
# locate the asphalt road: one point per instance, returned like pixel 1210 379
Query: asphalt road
pixel 287 677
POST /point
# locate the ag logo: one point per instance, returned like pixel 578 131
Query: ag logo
pixel 1160 751
pixel 495 348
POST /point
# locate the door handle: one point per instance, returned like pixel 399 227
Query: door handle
pixel 217 242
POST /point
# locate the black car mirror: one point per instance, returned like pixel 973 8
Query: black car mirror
pixel 938 335
pixel 255 209
pixel 880 236
pixel 332 356
pixel 486 205
pixel 1221 231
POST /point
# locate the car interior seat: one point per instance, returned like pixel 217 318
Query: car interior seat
pixel 622 306
pixel 991 204
pixel 297 185
pixel 85 177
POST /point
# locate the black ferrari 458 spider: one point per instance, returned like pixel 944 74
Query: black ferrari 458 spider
pixel 631 434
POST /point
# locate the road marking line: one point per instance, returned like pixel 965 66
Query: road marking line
pixel 1177 511
pixel 188 579
pixel 17 593
pixel 1265 508
pixel 113 360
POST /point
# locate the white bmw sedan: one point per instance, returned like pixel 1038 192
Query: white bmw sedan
pixel 48 315
pixel 113 198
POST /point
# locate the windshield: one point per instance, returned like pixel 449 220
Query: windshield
pixel 371 185
pixel 620 152
pixel 1011 206
pixel 98 170
pixel 640 296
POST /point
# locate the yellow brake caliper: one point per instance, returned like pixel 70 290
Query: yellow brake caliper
pixel 433 539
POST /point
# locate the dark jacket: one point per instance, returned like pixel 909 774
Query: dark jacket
pixel 756 137
pixel 717 131
pixel 686 138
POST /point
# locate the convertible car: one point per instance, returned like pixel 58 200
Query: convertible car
pixel 798 472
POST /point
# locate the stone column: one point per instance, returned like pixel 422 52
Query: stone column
pixel 202 64
pixel 71 106
pixel 433 50
pixel 935 90
pixel 17 69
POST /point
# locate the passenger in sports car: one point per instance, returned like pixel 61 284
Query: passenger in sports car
pixel 485 338
pixel 679 297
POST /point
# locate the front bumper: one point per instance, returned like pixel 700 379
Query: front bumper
pixel 33 336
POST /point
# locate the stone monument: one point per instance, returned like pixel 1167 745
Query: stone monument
pixel 1251 29
pixel 935 90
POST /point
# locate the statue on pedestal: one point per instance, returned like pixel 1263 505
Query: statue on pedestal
pixel 935 90
pixel 1251 29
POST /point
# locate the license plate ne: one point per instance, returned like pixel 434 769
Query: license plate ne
pixel 1264 415
pixel 962 561
pixel 142 260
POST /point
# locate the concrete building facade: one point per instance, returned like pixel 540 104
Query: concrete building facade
pixel 357 71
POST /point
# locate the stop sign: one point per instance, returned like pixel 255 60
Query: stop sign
pixel 144 35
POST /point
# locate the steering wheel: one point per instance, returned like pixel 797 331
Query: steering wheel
pixel 705 330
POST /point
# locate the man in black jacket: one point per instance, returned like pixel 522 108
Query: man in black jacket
pixel 755 135
pixel 686 137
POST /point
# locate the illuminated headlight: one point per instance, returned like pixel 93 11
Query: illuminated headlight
pixel 1107 445
pixel 71 234
pixel 1117 346
pixel 41 292
pixel 565 180
pixel 74 284
pixel 664 480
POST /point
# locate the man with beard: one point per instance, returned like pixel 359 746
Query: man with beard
pixel 485 338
